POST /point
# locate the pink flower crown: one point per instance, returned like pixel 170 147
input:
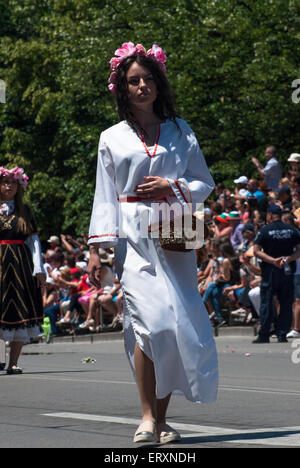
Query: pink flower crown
pixel 18 174
pixel 127 50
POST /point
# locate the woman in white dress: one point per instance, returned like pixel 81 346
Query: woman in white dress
pixel 152 155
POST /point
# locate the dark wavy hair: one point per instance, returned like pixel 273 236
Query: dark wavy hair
pixel 26 223
pixel 163 106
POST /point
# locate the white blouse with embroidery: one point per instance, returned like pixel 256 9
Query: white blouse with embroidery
pixel 163 310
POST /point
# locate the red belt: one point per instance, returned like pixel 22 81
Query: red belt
pixel 12 242
pixel 137 199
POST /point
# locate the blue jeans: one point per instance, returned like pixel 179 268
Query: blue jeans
pixel 52 312
pixel 214 293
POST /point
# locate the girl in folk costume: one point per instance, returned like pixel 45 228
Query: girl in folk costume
pixel 21 267
pixel 148 156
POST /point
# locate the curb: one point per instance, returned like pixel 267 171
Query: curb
pixel 118 336
pixel 235 331
pixel 89 337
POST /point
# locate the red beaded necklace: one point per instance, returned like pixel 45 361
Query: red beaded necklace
pixel 156 144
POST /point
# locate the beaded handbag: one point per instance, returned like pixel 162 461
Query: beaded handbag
pixel 182 234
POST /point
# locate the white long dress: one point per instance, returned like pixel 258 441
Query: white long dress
pixel 163 310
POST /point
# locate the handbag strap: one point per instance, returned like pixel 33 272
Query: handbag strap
pixel 189 192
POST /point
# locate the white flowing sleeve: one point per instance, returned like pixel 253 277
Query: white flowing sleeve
pixel 104 223
pixel 33 242
pixel 196 181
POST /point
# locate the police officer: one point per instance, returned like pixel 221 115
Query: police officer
pixel 277 245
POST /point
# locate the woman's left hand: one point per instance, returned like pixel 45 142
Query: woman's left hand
pixel 154 188
pixel 41 280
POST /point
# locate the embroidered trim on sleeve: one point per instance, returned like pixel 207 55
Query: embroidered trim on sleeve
pixel 180 190
pixel 103 235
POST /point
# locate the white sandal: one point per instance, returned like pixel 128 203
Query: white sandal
pixel 169 435
pixel 145 436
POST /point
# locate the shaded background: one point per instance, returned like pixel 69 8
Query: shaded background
pixel 231 64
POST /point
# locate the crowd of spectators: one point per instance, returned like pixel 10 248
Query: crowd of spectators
pixel 71 304
pixel 229 272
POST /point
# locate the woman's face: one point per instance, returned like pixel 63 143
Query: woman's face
pixel 142 89
pixel 8 188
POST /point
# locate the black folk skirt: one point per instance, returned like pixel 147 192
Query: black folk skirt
pixel 20 298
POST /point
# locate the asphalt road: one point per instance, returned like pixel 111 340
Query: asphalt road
pixel 62 402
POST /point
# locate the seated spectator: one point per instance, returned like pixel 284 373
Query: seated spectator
pixel 58 263
pixel 224 276
pixel 54 243
pixel 225 198
pixel 216 208
pixel 236 236
pixel 104 297
pixel 87 302
pixel 202 263
pixel 221 226
pixel 118 318
pixel 296 185
pixel 284 198
pixel 253 190
pixel 241 189
pixel 254 266
pixel 220 191
pixel 234 292
pixel 48 265
pixel 207 214
pixel 254 296
pixel 249 272
pixel 72 246
pixel 255 215
pixel 107 302
pixel 288 218
pixel 262 186
pixel 50 293
pixel 76 285
pixel 258 219
pixel 285 182
pixel 241 206
pixel 81 262
pixel 70 260
pixel 294 161
pixel 296 213
pixel 51 303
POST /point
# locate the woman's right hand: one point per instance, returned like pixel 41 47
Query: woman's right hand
pixel 94 268
pixel 153 188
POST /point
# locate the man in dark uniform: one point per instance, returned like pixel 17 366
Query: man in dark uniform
pixel 278 246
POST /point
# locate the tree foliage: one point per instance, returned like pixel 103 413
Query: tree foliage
pixel 231 64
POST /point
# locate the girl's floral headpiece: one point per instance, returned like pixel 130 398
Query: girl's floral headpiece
pixel 18 174
pixel 128 49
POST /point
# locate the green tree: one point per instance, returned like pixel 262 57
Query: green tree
pixel 231 65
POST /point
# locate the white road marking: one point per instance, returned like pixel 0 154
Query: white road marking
pixel 274 436
pixel 273 391
pixel 70 379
